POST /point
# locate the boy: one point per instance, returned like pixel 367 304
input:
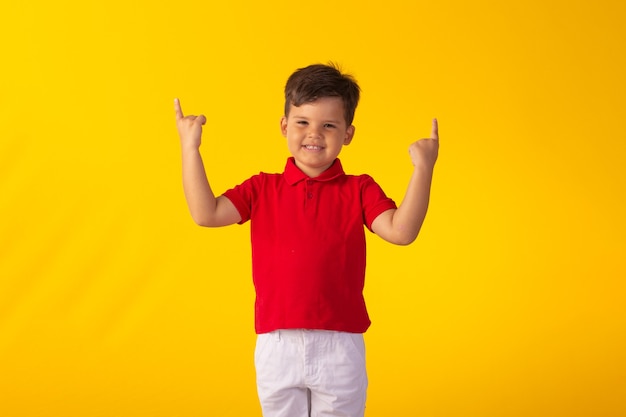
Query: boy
pixel 308 244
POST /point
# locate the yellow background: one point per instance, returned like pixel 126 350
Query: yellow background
pixel 511 303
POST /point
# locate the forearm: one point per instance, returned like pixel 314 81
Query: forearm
pixel 407 220
pixel 401 226
pixel 200 198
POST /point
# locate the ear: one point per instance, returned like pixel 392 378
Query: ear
pixel 349 135
pixel 283 126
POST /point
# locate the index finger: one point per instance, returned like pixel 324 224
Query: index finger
pixel 435 130
pixel 177 109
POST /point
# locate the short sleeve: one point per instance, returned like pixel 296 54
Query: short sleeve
pixel 242 197
pixel 374 200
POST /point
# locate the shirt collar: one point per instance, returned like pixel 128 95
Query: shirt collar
pixel 293 174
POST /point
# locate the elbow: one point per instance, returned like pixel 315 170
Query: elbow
pixel 207 223
pixel 405 240
pixel 400 237
pixel 203 220
pixel 405 237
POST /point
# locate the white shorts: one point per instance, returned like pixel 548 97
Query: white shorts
pixel 302 373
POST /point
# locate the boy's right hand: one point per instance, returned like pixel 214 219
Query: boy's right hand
pixel 189 127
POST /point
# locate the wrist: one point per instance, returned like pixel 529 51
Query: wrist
pixel 423 168
pixel 190 150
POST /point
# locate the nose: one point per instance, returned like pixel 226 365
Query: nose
pixel 314 131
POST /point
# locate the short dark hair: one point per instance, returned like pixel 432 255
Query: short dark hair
pixel 318 80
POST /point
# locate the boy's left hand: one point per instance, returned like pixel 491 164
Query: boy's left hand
pixel 424 152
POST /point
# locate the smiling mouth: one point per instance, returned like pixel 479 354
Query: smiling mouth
pixel 312 147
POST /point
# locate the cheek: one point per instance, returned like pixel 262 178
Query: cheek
pixel 292 143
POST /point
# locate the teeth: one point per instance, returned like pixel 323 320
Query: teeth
pixel 313 147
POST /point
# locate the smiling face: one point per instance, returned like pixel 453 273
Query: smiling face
pixel 316 131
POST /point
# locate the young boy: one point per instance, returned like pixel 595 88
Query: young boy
pixel 308 244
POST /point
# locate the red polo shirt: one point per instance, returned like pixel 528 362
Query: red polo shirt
pixel 308 246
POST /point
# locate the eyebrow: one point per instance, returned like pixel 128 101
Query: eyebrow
pixel 335 121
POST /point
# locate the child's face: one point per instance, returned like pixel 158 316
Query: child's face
pixel 315 133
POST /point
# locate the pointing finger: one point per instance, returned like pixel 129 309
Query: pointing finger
pixel 177 109
pixel 435 131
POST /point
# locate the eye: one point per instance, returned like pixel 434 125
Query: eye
pixel 302 122
pixel 329 126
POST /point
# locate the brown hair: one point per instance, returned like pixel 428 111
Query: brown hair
pixel 316 81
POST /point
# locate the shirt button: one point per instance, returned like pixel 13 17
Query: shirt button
pixel 309 195
pixel 309 182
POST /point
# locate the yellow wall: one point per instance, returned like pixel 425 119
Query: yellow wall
pixel 512 301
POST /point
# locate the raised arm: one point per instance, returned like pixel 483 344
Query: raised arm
pixel 402 225
pixel 205 208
